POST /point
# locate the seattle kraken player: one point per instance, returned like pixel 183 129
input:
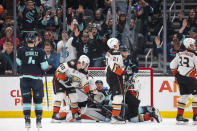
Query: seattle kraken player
pixel 31 61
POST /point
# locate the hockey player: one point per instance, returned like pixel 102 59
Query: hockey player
pixel 67 77
pixel 31 61
pixel 183 67
pixel 135 113
pixel 115 67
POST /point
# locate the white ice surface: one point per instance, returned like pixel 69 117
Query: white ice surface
pixel 166 125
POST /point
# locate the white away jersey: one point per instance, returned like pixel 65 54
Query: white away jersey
pixel 79 78
pixel 185 63
pixel 114 60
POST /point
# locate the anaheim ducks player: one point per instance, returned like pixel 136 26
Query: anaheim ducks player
pixel 67 77
pixel 115 69
pixel 184 67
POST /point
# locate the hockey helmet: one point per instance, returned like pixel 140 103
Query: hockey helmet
pixel 188 42
pixel 112 42
pixel 123 48
pixel 84 60
pixel 30 38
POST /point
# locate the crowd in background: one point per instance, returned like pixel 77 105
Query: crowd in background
pixel 88 27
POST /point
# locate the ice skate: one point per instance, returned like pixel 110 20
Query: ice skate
pixel 38 122
pixel 156 115
pixel 181 120
pixel 27 122
pixel 195 120
pixel 117 120
pixel 55 118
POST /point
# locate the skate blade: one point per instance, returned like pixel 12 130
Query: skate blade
pixel 181 123
pixel 194 123
pixel 27 128
pixel 55 121
pixel 118 122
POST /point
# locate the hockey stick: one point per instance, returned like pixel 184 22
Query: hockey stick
pixel 47 91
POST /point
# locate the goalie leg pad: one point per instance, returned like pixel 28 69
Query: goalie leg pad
pixel 93 114
pixel 134 119
pixel 133 104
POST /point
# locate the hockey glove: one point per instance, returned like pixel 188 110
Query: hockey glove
pixel 67 81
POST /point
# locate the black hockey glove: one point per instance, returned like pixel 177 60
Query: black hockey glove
pixel 68 81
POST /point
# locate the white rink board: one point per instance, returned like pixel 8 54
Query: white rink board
pixel 10 96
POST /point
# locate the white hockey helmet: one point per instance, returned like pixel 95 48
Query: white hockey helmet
pixel 112 42
pixel 188 42
pixel 83 59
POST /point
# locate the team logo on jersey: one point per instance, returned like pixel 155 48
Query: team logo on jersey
pixel 75 79
pixel 30 17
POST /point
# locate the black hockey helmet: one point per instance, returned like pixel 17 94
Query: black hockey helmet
pixel 123 48
pixel 99 81
pixel 30 37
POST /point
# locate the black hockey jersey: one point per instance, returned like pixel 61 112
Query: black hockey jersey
pixel 32 62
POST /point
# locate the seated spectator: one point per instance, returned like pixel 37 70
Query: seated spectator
pixel 3 64
pixel 9 37
pixel 8 22
pixel 48 39
pixel 8 55
pixel 65 48
pixel 52 58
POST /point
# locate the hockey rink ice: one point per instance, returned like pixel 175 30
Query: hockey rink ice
pixel 167 125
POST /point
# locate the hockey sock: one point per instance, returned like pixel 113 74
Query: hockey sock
pixel 56 107
pixel 38 109
pixel 74 108
pixel 27 109
pixel 194 107
pixel 62 115
pixel 181 107
pixel 116 109
pixel 144 117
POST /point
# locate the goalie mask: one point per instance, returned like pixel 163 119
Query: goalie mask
pixel 84 61
pixel 113 43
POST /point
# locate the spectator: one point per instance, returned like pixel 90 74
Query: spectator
pixel 3 64
pixel 28 15
pixel 188 24
pixel 8 22
pixel 172 48
pixel 48 39
pixel 130 36
pixel 66 50
pixel 52 58
pixel 8 55
pixel 50 22
pixel 96 48
pixel 99 18
pixel 8 37
pixel 83 45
